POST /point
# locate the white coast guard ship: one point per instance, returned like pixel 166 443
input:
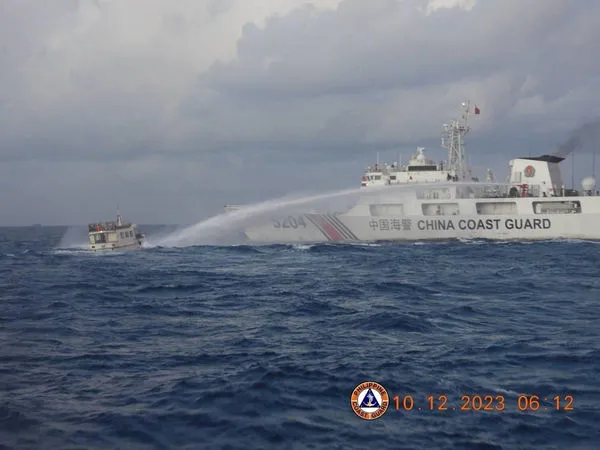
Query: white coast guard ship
pixel 114 235
pixel 425 200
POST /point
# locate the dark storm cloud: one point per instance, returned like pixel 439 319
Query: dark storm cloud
pixel 334 75
pixel 236 97
pixel 383 44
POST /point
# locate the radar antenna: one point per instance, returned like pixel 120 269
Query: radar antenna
pixel 453 139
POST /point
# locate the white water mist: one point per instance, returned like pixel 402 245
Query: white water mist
pixel 222 228
pixel 210 230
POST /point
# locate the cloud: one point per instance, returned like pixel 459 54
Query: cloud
pixel 244 99
pixel 435 5
pixel 308 71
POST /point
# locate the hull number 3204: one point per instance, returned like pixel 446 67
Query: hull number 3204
pixel 290 222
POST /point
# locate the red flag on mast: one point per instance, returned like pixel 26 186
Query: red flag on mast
pixel 476 110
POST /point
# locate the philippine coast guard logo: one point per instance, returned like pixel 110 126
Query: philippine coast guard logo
pixel 369 400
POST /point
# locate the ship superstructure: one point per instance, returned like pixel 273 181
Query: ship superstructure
pixel 421 169
pixel 114 235
pixel 424 199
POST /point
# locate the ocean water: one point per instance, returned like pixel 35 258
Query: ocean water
pixel 262 346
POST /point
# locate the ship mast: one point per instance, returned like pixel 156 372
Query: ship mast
pixel 453 138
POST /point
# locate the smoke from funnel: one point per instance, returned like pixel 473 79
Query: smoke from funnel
pixel 584 135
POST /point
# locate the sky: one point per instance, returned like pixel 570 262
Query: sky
pixel 168 109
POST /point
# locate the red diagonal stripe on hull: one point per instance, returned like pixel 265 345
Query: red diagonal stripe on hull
pixel 341 227
pixel 332 232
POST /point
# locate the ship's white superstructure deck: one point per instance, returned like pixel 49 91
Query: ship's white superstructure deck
pixel 428 200
pixel 114 235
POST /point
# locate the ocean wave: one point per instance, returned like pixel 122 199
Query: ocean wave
pixel 262 346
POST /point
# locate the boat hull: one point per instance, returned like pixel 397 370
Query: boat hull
pixel 308 228
pixel 111 247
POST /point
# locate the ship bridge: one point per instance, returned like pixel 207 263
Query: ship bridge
pixel 419 169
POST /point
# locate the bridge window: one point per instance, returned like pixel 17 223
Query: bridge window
pixel 421 168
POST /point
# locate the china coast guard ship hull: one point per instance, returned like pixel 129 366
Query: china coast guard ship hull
pixel 425 200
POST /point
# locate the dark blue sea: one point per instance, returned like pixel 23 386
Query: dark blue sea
pixel 257 347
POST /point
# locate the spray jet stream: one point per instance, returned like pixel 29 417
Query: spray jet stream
pixel 214 229
pixel 208 229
